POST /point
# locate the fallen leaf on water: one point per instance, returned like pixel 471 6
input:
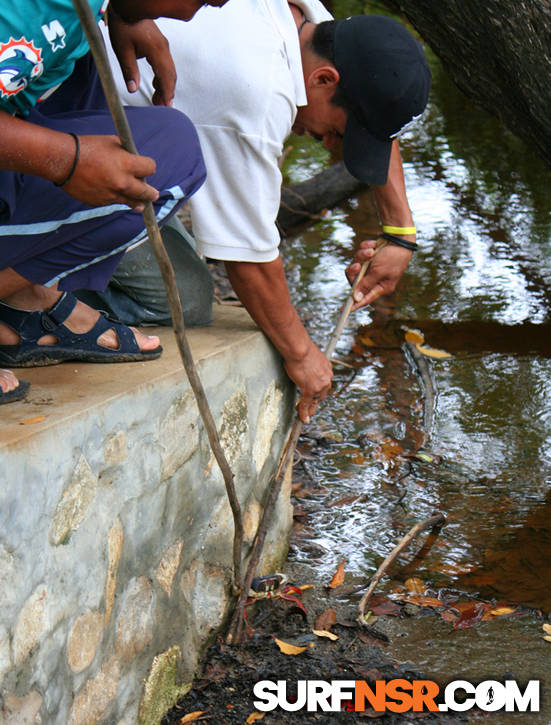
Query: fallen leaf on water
pixel 448 616
pixel 379 604
pixel 424 457
pixel 422 601
pixel 414 336
pixel 191 717
pixel 325 620
pixel 389 449
pixel 325 633
pixel 547 637
pixel 471 616
pixel 546 628
pixel 338 576
pixel 415 585
pixel 366 340
pixel 289 649
pixel 500 611
pixel 254 717
pixel 30 421
pixel 455 569
pixel 433 352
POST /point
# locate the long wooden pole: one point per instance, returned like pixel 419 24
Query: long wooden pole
pixel 95 40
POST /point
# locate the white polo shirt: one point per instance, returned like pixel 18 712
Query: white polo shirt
pixel 240 81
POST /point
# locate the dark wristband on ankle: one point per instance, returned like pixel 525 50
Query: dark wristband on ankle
pixel 75 161
pixel 412 246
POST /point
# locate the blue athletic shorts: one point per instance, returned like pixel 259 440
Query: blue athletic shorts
pixel 47 236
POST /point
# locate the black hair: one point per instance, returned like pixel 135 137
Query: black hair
pixel 322 45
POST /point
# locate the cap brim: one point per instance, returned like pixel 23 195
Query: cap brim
pixel 365 156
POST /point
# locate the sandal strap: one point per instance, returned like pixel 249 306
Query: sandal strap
pixel 126 338
pixel 57 314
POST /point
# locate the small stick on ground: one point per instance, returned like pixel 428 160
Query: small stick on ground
pixel 435 521
pixel 235 631
pixel 97 47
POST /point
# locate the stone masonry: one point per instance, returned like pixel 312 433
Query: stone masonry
pixel 115 530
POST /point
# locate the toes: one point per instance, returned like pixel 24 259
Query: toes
pixel 8 381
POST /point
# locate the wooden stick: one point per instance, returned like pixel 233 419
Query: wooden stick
pixel 424 374
pixel 95 40
pixel 235 631
pixel 437 520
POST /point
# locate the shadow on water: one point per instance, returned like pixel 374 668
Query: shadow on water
pixel 479 288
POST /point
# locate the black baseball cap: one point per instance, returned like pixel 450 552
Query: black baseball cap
pixel 385 79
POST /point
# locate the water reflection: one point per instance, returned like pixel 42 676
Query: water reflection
pixel 479 288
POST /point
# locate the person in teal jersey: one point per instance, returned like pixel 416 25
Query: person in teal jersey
pixel 68 191
pixel 39 44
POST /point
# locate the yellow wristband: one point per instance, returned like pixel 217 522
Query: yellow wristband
pixel 399 230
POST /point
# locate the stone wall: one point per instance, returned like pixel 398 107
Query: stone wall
pixel 116 534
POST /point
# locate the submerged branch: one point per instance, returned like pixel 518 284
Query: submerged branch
pixel 435 521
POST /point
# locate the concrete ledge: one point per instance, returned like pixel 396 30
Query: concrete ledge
pixel 115 531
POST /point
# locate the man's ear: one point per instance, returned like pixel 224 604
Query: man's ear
pixel 324 75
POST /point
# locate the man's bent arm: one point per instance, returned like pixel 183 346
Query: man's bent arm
pixel 263 290
pixel 104 174
pixel 387 268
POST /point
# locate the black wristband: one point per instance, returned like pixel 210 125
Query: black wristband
pixel 412 246
pixel 75 161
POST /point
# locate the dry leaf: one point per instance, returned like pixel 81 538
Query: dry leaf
pixel 338 576
pixel 422 601
pixel 325 620
pixel 546 628
pixel 414 336
pixel 471 616
pixel 415 585
pixel 367 341
pixel 191 717
pixel 30 421
pixel 547 637
pixel 448 616
pixel 379 604
pixel 325 633
pixel 289 649
pixel 254 717
pixel 433 352
pixel 389 449
pixel 500 611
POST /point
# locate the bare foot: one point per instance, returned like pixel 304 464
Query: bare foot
pixel 8 381
pixel 81 319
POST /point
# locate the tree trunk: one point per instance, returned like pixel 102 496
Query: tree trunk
pixel 303 202
pixel 499 54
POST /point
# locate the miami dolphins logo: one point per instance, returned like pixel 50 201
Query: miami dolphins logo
pixel 20 63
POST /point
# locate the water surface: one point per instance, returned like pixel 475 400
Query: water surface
pixel 480 288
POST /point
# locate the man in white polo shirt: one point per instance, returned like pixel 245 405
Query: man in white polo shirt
pixel 271 67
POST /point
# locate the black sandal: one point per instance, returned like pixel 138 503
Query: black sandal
pixel 84 347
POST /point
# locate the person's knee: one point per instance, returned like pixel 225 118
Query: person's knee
pixel 174 145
